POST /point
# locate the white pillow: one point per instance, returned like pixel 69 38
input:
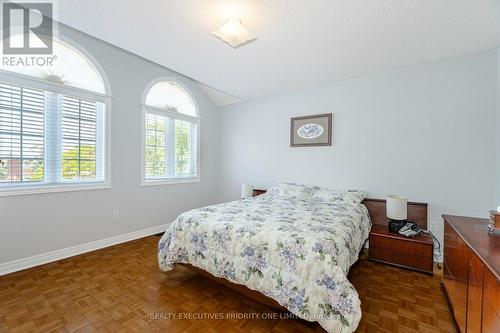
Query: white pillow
pixel 330 196
pixel 290 191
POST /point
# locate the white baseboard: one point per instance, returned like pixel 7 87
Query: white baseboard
pixel 40 259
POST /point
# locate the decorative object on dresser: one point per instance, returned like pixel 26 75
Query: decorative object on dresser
pixel 494 221
pixel 415 253
pixel 315 130
pixel 471 276
pixel 246 191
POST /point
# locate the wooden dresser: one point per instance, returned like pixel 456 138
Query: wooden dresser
pixel 471 276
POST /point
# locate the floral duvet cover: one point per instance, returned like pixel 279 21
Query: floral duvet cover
pixel 297 252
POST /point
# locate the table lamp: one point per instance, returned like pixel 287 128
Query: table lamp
pixel 246 191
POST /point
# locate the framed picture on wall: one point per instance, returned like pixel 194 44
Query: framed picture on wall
pixel 314 130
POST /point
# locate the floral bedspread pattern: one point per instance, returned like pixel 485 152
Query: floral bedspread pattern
pixel 297 252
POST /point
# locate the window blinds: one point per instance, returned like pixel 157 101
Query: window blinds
pixel 171 147
pixel 49 138
pixel 21 134
pixel 156 136
pixel 185 149
pixel 78 139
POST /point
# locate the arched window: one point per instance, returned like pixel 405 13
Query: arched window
pixel 171 125
pixel 66 66
pixel 53 123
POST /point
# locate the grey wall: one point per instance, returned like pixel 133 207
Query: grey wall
pixel 426 131
pixel 34 224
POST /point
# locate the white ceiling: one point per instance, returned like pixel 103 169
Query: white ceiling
pixel 299 43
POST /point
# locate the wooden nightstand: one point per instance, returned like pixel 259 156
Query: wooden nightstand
pixel 391 248
pixel 257 192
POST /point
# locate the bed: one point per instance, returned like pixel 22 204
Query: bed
pixel 294 244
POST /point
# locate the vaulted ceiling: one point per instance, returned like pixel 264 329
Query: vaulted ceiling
pixel 299 43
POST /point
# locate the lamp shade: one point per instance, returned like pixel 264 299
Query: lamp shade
pixel 396 207
pixel 246 191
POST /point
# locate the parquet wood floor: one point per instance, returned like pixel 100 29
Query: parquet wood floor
pixel 121 289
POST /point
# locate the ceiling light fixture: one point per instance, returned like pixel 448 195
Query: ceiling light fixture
pixel 234 33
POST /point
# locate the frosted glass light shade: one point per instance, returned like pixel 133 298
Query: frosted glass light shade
pixel 246 191
pixel 234 33
pixel 396 207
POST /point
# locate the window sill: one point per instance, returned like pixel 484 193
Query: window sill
pixel 171 181
pixel 42 189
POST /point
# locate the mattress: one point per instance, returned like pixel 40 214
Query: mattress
pixel 297 252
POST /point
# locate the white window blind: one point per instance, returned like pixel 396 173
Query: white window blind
pixel 185 157
pixel 48 138
pixel 171 125
pixel 171 147
pixel 21 134
pixel 79 139
pixel 156 138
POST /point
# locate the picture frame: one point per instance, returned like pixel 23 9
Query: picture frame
pixel 311 131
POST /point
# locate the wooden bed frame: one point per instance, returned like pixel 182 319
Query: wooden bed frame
pixel 417 212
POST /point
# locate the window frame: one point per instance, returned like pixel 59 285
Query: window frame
pixel 173 115
pixel 36 83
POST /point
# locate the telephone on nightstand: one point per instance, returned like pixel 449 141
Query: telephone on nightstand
pixel 405 228
pixel 410 229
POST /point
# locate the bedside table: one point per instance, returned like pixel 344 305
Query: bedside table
pixel 257 192
pixel 391 248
